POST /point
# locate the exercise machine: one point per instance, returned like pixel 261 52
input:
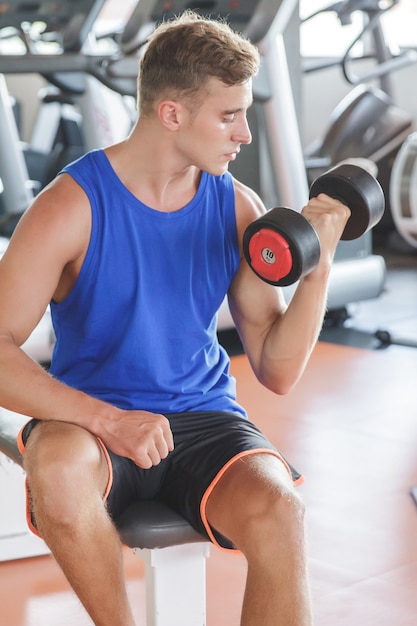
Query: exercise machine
pixel 403 190
pixel 79 111
pixel 366 123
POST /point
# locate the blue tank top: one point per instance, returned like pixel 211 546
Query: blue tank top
pixel 138 329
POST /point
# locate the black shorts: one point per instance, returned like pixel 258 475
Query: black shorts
pixel 206 444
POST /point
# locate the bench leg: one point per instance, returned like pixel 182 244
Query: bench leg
pixel 175 584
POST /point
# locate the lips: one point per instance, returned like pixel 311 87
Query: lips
pixel 231 156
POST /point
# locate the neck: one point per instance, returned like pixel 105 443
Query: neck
pixel 149 166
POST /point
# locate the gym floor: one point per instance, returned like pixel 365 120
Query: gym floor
pixel 351 427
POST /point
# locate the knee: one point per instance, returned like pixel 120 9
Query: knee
pixel 62 463
pixel 278 508
pixel 274 520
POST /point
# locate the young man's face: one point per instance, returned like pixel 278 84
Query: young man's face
pixel 211 137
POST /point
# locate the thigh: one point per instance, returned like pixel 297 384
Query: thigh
pixel 206 446
pixel 120 482
pixel 250 489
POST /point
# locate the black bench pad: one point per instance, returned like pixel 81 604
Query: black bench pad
pixel 151 524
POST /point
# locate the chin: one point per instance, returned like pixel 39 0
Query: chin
pixel 218 170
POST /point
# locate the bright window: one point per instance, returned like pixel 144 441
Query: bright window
pixel 324 35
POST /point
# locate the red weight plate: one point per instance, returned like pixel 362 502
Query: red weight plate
pixel 270 255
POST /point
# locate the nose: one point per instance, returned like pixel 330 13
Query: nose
pixel 242 132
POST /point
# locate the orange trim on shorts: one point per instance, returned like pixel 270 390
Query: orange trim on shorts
pixel 19 441
pixel 219 475
pixel 21 447
pixel 109 467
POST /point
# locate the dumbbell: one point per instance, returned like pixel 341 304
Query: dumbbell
pixel 282 246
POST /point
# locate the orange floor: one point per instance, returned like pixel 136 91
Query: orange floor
pixel 351 427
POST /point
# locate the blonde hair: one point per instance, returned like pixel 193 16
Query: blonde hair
pixel 184 53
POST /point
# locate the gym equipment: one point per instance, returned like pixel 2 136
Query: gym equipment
pixel 388 339
pixel 80 72
pixel 387 61
pixel 173 552
pixel 69 21
pixel 282 246
pixel 366 123
pixel 403 190
pixel 358 189
pixel 68 25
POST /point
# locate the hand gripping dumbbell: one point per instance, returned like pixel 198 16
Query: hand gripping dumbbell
pixel 282 246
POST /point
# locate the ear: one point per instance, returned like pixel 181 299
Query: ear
pixel 170 113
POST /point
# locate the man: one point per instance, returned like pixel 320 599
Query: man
pixel 135 247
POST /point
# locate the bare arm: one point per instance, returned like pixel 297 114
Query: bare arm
pixel 42 263
pixel 279 339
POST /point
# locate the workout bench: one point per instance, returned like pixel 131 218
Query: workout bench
pixel 173 552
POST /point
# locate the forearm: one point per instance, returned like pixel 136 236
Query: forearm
pixel 25 387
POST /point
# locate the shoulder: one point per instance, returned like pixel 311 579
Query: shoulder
pixel 59 218
pixel 49 243
pixel 248 206
pixel 62 200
